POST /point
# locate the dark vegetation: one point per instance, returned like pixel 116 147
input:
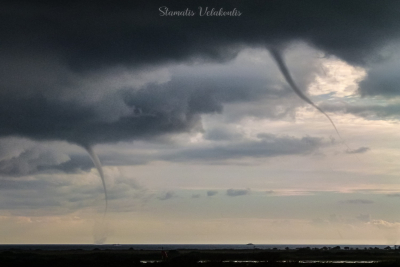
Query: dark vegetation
pixel 206 258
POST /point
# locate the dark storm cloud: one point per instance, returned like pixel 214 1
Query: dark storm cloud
pixel 154 110
pixel 383 79
pixel 383 85
pixel 95 35
pixel 47 48
pixel 237 192
pixel 41 119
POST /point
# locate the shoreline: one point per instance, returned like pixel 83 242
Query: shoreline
pixel 195 257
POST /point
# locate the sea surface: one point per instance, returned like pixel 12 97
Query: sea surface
pixel 176 246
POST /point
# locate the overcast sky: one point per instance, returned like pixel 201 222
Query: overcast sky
pixel 201 137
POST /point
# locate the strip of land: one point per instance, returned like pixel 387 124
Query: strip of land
pixel 250 257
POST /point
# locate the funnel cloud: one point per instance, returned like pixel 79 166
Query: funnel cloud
pixel 276 54
pixel 97 164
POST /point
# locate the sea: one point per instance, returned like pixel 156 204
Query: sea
pixel 179 246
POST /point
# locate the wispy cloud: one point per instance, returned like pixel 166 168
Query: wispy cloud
pixel 364 217
pixel 385 224
pixel 357 201
pixel 167 195
pixel 393 195
pixel 358 150
pixel 237 192
pixel 211 193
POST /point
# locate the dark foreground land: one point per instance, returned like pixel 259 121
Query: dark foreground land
pixel 205 258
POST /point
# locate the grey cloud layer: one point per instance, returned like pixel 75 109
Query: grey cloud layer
pixel 266 145
pixel 31 161
pixel 51 49
pixel 61 194
pixel 368 111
